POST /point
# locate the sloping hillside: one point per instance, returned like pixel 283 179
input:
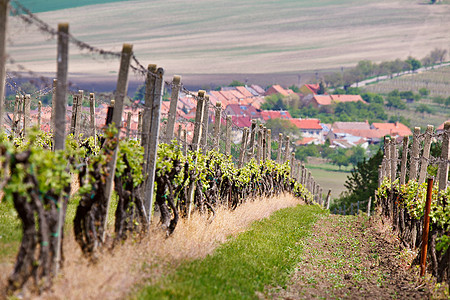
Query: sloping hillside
pixel 37 6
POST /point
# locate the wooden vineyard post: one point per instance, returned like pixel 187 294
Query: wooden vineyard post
pixel 185 147
pixel 92 116
pixel 286 150
pixel 387 153
pixel 74 115
pixel 52 122
pixel 280 144
pixel 217 121
pixel 153 142
pixel 205 121
pixel 78 113
pixel 413 166
pixel 15 115
pixel 303 178
pixel 121 91
pixel 426 227
pixel 394 156
pixel 176 85
pixel 196 144
pixel 269 144
pixel 243 147
pixel 39 114
pixel 404 160
pixel 426 154
pixel 147 114
pixel 59 130
pixel 264 143
pixel 128 124
pixel 26 114
pixel 228 136
pixel 139 133
pixel 4 12
pixel 292 164
pixel 260 142
pixel 328 199
pixel 179 133
pixel 251 147
pixel 369 205
pixel 445 156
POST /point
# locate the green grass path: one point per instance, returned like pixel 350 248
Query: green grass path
pixel 265 255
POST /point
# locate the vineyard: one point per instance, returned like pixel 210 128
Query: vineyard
pixel 436 81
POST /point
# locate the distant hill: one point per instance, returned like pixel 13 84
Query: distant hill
pixel 37 6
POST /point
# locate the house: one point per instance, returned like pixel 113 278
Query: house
pixel 324 100
pixel 242 110
pixel 275 114
pixel 308 89
pixel 256 90
pixel 392 129
pixel 310 128
pixel 277 89
pixel 347 98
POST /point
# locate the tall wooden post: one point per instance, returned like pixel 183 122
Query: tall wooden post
pixel 264 144
pixel 121 91
pixel 185 146
pixel 15 115
pixel 59 131
pixel 425 154
pixel 139 133
pixel 394 156
pixel 205 122
pixel 413 165
pixel 153 141
pixel 286 150
pixel 26 114
pixel 426 227
pixel 4 12
pixel 176 85
pixel 292 164
pixel 128 124
pixel 78 113
pixel 243 147
pixel 179 134
pixel 251 145
pixel 328 199
pixel 92 116
pixel 147 114
pixel 260 142
pixel 280 144
pixel 52 125
pixel 228 136
pixel 269 144
pixel 73 120
pixel 39 114
pixel 445 157
pixel 404 160
pixel 217 121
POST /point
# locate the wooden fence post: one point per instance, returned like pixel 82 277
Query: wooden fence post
pixel 404 160
pixel 128 124
pixel 243 147
pixel 176 85
pixel 121 91
pixel 251 150
pixel 328 199
pixel 59 130
pixel 260 142
pixel 39 114
pixel 394 157
pixel 78 113
pixel 4 12
pixel 52 122
pixel 196 143
pixel 425 154
pixel 73 119
pixel 387 153
pixel 15 115
pixel 92 116
pixel 147 114
pixel 380 175
pixel 414 163
pixel 185 147
pixel 269 144
pixel 303 178
pixel 426 227
pixel 228 136
pixel 205 122
pixel 179 134
pixel 292 164
pixel 217 121
pixel 369 206
pixel 445 156
pixel 153 141
pixel 139 133
pixel 286 150
pixel 26 114
pixel 280 144
pixel 264 144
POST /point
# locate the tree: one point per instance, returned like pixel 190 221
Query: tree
pixel 357 155
pixel 424 92
pixel 273 102
pixel 302 153
pixel 413 63
pixel 340 158
pixel 394 101
pixel 365 67
pixel 423 108
pixel 321 89
pixel 294 88
pixel 285 127
pixel 236 83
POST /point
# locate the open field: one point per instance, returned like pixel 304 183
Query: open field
pixel 244 37
pixel 329 177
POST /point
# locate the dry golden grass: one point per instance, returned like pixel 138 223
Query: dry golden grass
pixel 137 261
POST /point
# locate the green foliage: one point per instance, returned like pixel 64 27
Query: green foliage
pixel 283 126
pixel 294 88
pixel 413 63
pixel 423 108
pixel 236 83
pixel 273 102
pixel 424 92
pixel 394 101
pixel 372 98
pixel 302 153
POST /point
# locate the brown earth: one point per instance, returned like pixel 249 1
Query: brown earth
pixel 350 257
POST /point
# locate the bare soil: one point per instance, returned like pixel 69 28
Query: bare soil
pixel 350 257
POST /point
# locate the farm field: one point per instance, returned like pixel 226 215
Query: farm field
pixel 245 37
pixel 329 177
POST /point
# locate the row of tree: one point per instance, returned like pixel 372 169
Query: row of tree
pixel 367 69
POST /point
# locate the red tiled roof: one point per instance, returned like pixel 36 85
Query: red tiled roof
pixel 305 141
pixel 242 121
pixel 277 89
pixel 322 99
pixel 307 123
pixel 275 114
pixel 313 87
pixel 347 98
pixel 396 128
pixel 243 90
pixel 351 125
